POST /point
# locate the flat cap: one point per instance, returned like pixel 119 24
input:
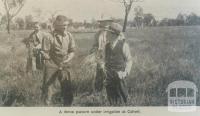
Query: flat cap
pixel 115 27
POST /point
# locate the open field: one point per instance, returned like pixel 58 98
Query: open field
pixel 161 55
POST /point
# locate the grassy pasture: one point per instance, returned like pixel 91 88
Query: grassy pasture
pixel 161 55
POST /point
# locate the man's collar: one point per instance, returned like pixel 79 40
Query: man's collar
pixel 56 33
pixel 114 42
pixel 36 31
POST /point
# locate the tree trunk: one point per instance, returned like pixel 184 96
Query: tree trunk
pixel 8 27
pixel 8 24
pixel 125 21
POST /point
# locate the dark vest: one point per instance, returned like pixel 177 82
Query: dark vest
pixel 114 58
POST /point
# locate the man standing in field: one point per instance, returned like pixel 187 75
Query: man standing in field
pixel 34 60
pixel 58 50
pixel 118 63
pixel 98 48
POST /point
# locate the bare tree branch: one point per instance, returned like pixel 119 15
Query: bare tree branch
pixel 6 5
pixel 12 5
pixel 127 7
pixel 1 16
pixel 125 3
pixel 19 9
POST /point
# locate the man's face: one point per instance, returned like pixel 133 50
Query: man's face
pixel 61 28
pixel 111 36
pixel 36 27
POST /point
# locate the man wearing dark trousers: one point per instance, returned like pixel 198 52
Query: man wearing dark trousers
pixel 58 50
pixel 118 63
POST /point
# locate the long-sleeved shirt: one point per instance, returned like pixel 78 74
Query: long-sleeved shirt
pixel 59 48
pixel 100 41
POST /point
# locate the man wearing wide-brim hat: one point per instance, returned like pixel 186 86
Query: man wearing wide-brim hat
pixel 58 49
pixel 98 49
pixel 118 63
pixel 100 36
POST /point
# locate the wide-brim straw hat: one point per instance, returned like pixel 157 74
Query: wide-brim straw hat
pixel 105 20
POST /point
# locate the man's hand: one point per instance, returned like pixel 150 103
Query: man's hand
pixel 121 74
pixel 61 52
pixel 62 64
pixel 46 56
pixel 38 46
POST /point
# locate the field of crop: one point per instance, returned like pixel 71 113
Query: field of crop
pixel 161 55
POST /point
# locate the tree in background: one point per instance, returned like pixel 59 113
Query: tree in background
pixel 193 19
pixel 127 5
pixel 127 8
pixel 29 21
pixel 3 22
pixel 163 22
pixel 139 17
pixel 20 23
pixel 94 23
pixel 12 8
pixel 181 19
pixel 1 16
pixel 149 20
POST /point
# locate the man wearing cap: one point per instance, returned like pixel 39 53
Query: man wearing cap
pixel 34 60
pixel 118 64
pixel 58 50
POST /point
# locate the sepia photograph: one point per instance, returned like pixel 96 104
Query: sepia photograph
pixel 100 53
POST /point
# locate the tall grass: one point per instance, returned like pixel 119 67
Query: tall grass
pixel 160 56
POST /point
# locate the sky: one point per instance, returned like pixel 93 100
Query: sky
pixel 80 10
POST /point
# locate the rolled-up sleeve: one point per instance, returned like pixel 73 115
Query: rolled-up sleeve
pixel 72 44
pixel 128 58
